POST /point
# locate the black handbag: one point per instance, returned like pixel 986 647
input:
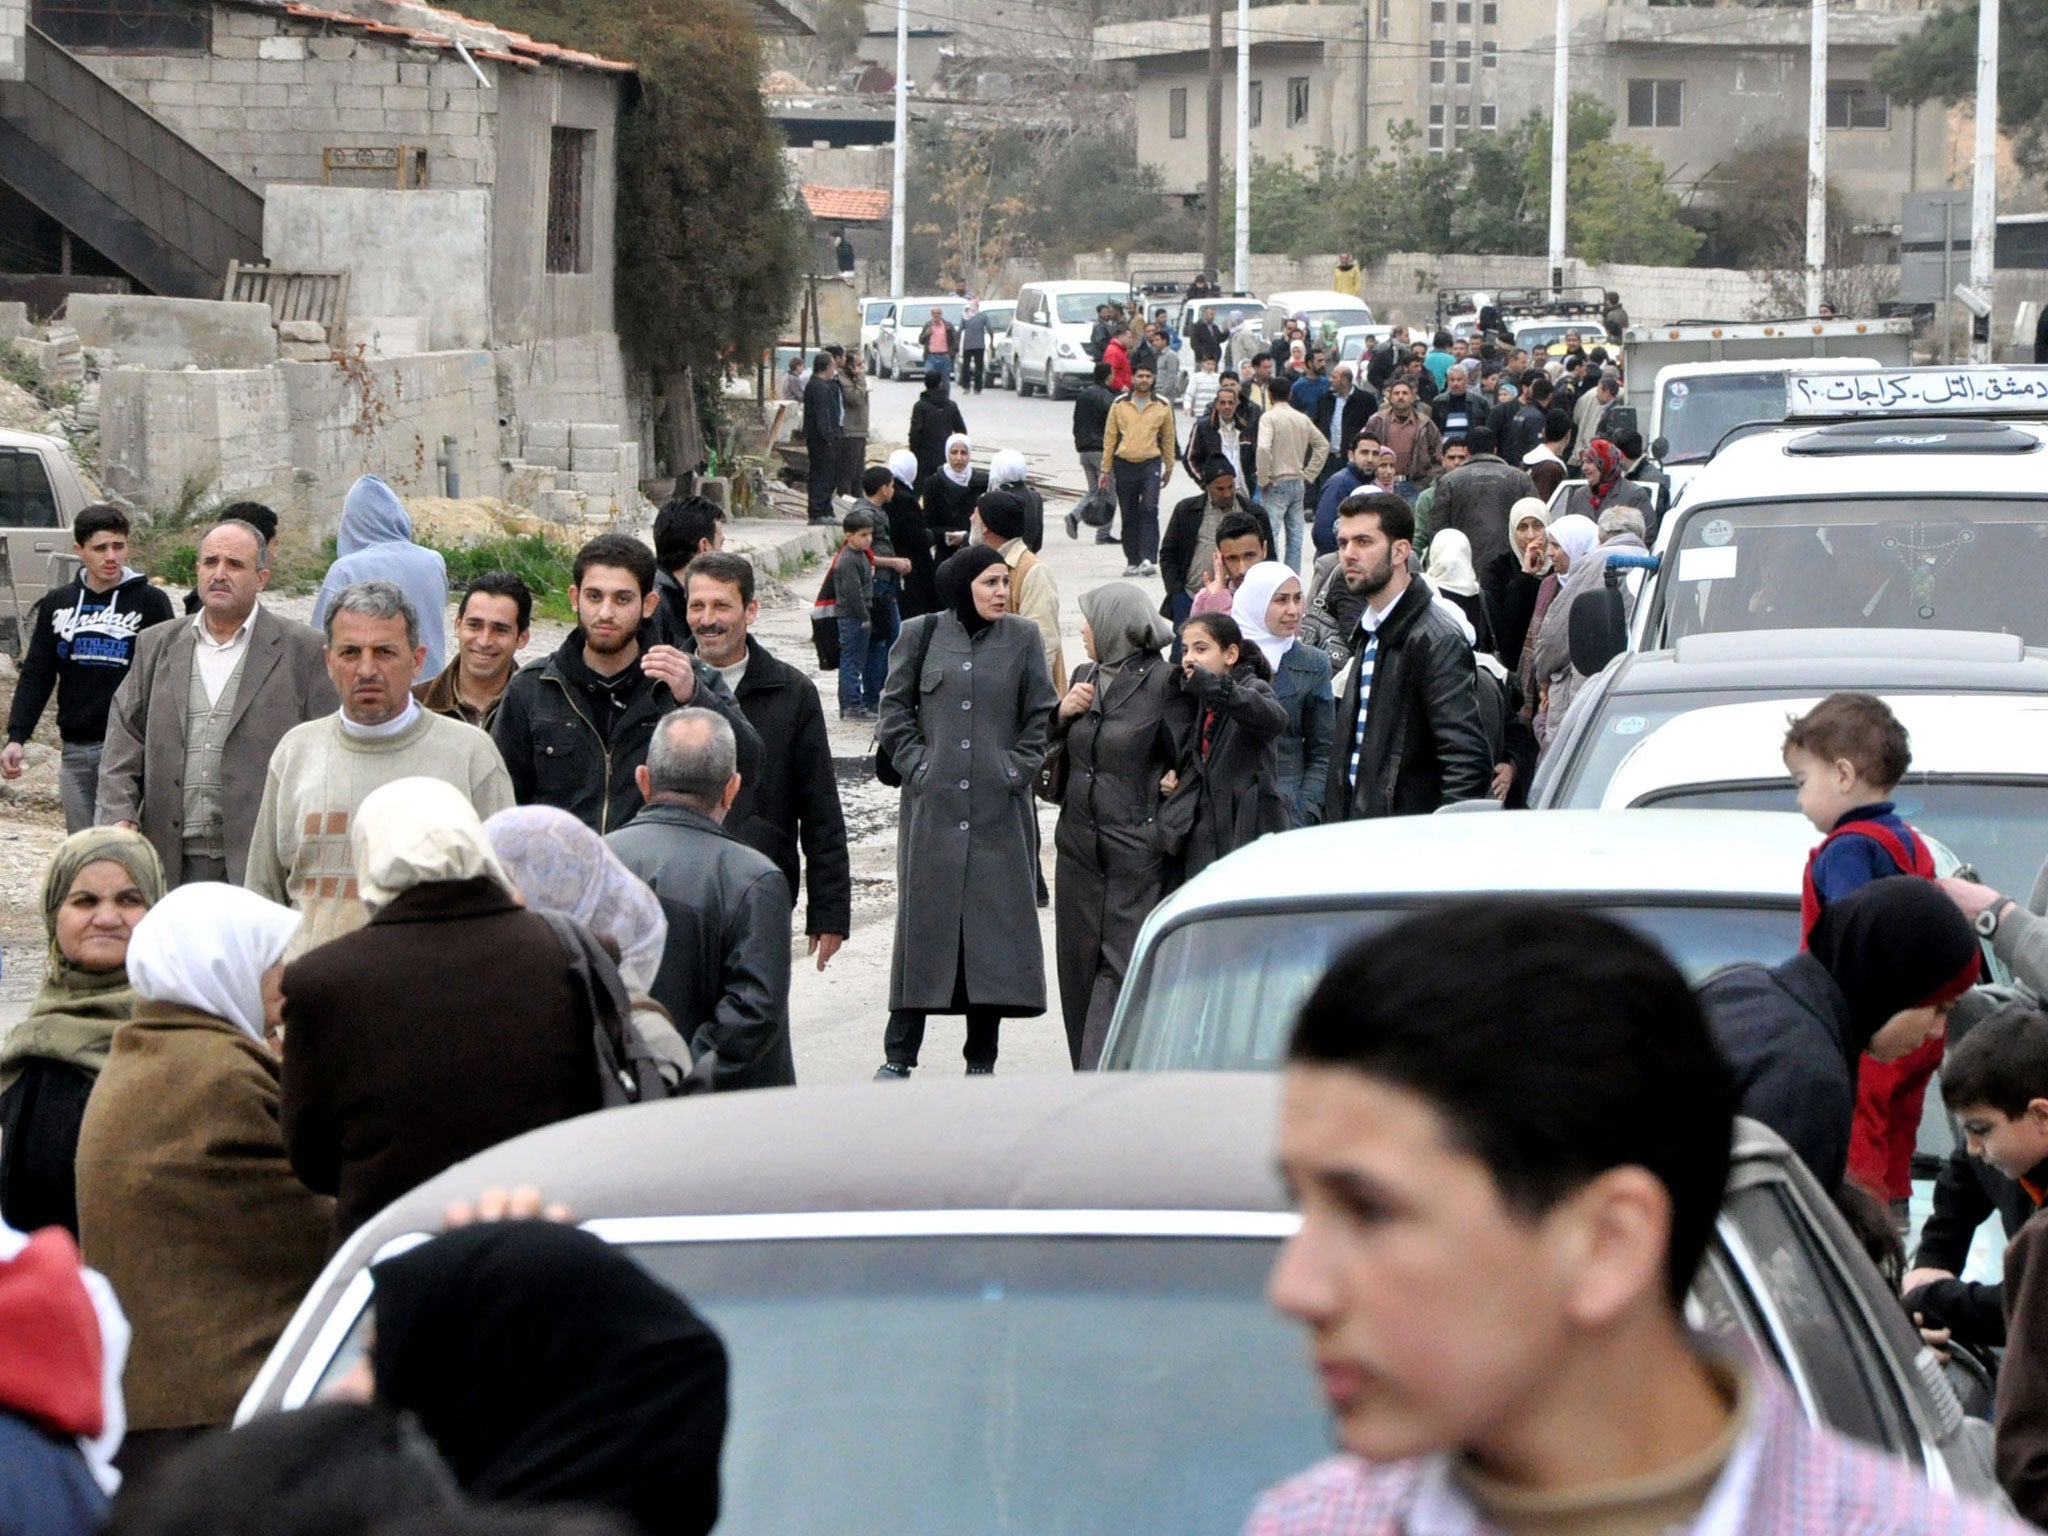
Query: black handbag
pixel 627 1072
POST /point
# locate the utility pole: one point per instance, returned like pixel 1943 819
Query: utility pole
pixel 1241 279
pixel 1984 190
pixel 1817 161
pixel 902 150
pixel 1560 136
pixel 1212 204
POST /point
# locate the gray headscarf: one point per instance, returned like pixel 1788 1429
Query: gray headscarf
pixel 1124 622
pixel 560 865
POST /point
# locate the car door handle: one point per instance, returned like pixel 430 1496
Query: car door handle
pixel 46 549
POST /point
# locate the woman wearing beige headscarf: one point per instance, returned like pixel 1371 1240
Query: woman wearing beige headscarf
pixel 450 1023
pixel 99 883
pixel 1109 870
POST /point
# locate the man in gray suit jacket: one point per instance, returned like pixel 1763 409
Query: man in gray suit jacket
pixel 204 705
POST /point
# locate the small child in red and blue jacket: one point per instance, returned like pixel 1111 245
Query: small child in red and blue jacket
pixel 1846 756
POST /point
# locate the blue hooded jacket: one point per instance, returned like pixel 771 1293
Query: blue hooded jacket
pixel 375 544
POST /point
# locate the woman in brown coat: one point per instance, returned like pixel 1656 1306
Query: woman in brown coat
pixel 185 1199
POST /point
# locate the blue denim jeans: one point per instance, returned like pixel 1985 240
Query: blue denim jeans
pixel 853 664
pixel 883 627
pixel 1284 502
pixel 939 362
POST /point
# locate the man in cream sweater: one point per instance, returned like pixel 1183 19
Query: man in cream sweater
pixel 302 854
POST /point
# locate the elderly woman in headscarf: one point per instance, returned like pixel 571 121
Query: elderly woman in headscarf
pixel 1570 541
pixel 186 1200
pixel 550 1369
pixel 99 884
pixel 963 720
pixel 382 1089
pixel 1268 608
pixel 1513 578
pixel 934 416
pixel 1607 484
pixel 911 536
pixel 1010 471
pixel 1109 871
pixel 1450 572
pixel 557 864
pixel 949 495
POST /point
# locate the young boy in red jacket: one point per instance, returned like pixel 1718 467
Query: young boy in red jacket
pixel 1846 755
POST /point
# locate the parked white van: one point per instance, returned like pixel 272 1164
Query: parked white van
pixel 1049 335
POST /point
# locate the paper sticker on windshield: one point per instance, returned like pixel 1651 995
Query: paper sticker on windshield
pixel 1675 393
pixel 1630 725
pixel 1707 564
pixel 1718 532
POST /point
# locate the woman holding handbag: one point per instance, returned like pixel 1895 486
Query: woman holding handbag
pixel 963 724
pixel 1110 749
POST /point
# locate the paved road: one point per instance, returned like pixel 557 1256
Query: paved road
pixel 837 1017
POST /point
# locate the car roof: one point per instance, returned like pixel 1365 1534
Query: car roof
pixel 1968 735
pixel 1080 285
pixel 1679 854
pixel 1087 1141
pixel 1316 298
pixel 1823 660
pixel 13 439
pixel 1758 468
pixel 1771 365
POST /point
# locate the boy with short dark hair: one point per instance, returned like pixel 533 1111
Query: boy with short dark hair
pixel 1995 1083
pixel 1846 755
pixel 81 644
pixel 853 591
pixel 1507 1130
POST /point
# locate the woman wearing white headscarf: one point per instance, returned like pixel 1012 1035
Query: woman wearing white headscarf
pixel 1513 579
pixel 1570 540
pixel 186 1200
pixel 911 537
pixel 1450 572
pixel 1268 608
pixel 451 1022
pixel 950 493
pixel 558 865
pixel 1010 471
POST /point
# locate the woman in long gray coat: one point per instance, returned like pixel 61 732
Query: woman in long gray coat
pixel 963 720
pixel 1110 871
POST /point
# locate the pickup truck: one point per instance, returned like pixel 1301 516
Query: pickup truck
pixel 40 492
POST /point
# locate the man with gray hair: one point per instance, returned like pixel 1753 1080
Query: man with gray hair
pixel 300 853
pixel 205 702
pixel 724 974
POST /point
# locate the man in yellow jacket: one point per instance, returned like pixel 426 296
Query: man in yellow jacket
pixel 1138 450
pixel 1346 278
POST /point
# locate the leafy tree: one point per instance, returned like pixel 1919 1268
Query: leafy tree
pixel 1940 64
pixel 842 24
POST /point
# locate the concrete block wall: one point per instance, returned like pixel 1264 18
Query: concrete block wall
pixel 387 417
pixel 341 89
pixel 566 378
pixel 221 431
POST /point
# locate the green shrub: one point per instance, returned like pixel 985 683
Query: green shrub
pixel 545 567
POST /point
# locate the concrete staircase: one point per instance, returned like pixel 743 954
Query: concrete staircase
pixel 121 180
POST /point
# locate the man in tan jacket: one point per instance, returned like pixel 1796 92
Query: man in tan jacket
pixel 1033 593
pixel 1138 450
pixel 1291 455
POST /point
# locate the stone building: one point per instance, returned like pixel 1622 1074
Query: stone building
pixel 460 174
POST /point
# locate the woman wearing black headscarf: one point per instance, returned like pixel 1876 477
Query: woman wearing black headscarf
pixel 1881 971
pixel 549 1368
pixel 963 719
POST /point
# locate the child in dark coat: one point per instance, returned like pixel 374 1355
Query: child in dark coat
pixel 1846 755
pixel 853 593
pixel 1224 790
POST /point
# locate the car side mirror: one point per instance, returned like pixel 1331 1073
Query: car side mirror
pixel 1598 630
pixel 1659 447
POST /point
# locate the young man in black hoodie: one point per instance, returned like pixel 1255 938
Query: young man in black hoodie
pixel 81 645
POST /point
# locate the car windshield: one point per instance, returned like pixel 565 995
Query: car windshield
pixel 1080 308
pixel 990 1385
pixel 999 317
pixel 1931 562
pixel 2000 828
pixel 1544 335
pixel 874 311
pixel 1198 1006
pixel 1323 324
pixel 1699 411
pixel 918 315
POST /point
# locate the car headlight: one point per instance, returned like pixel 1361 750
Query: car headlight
pixel 1066 349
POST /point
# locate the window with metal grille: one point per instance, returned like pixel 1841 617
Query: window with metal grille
pixel 1655 103
pixel 126 26
pixel 1255 103
pixel 1858 104
pixel 1464 118
pixel 568 183
pixel 1297 100
pixel 1177 112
